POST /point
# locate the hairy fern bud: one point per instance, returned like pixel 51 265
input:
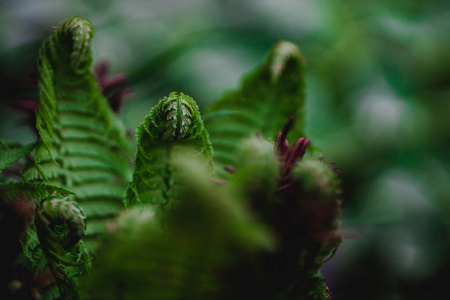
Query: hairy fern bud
pixel 174 124
pixel 176 117
pixel 316 190
pixel 256 177
pixel 81 32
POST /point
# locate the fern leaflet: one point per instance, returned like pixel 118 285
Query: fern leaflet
pixel 12 152
pixel 34 190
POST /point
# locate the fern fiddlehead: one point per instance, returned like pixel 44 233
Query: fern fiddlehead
pixel 60 225
pixel 176 117
pixel 174 123
pixel 63 222
pixel 54 225
pixel 83 145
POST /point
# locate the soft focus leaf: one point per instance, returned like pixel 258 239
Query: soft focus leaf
pixel 188 250
pixel 263 103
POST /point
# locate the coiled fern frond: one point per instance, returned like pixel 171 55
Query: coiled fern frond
pixel 54 225
pixel 60 225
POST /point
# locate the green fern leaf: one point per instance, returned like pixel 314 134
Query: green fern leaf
pixel 174 124
pixel 83 146
pixel 34 190
pixel 12 152
pixel 267 97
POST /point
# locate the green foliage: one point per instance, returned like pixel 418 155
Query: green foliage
pixel 12 152
pixel 263 103
pixel 377 105
pixel 83 145
pixel 263 234
pixel 212 244
pixel 175 122
pixel 82 148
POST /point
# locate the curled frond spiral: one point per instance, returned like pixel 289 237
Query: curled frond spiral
pixel 174 123
pixel 176 117
pixel 73 37
pixel 63 221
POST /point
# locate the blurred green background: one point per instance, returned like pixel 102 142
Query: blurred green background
pixel 378 94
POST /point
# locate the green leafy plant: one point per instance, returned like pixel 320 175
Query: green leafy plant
pixel 217 209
